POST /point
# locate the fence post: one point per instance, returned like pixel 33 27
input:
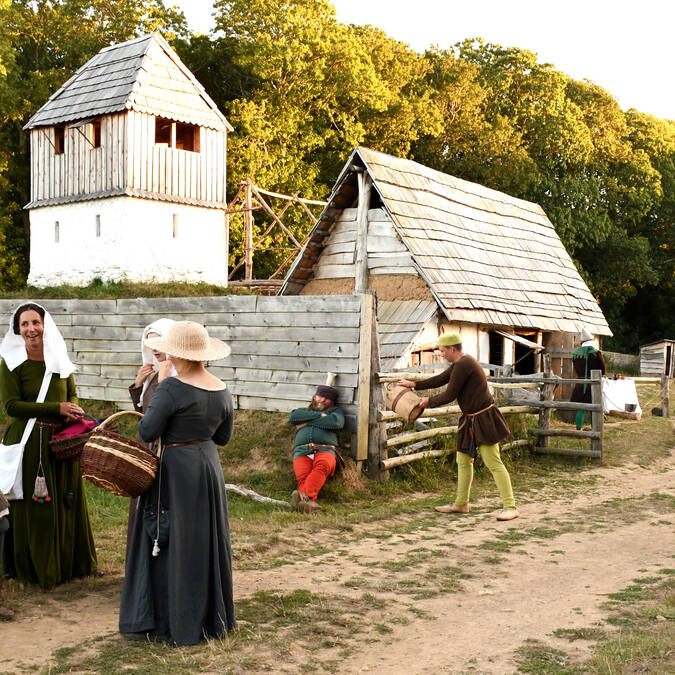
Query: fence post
pixel 248 231
pixel 597 416
pixel 665 397
pixel 377 430
pixel 546 394
pixel 365 376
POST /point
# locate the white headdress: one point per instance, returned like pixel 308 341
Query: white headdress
pixel 585 335
pixel 13 347
pixel 161 326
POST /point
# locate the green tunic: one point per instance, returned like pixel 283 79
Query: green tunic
pixel 51 542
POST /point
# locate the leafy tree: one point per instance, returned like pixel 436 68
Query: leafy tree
pixel 321 88
pixel 472 143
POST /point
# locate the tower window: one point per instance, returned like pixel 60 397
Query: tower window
pixel 98 225
pixel 176 135
pixel 95 133
pixel 163 131
pixel 175 225
pixel 187 137
pixel 57 232
pixel 59 139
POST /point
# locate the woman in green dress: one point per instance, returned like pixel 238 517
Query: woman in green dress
pixel 50 539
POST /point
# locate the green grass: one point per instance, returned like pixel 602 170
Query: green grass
pixel 536 657
pixel 99 290
pixel 639 637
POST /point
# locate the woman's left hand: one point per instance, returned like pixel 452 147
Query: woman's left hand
pixel 70 411
pixel 164 370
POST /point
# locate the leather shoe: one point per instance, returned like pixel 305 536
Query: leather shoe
pixel 297 498
pixel 508 514
pixel 453 508
pixel 309 507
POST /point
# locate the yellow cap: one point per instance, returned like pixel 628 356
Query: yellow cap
pixel 449 339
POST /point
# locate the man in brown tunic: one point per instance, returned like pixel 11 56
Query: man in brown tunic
pixel 481 426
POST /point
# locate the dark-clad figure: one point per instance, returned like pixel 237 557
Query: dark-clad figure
pixel 178 582
pixel 50 539
pixel 481 426
pixel 315 449
pixel 585 359
pixel 155 367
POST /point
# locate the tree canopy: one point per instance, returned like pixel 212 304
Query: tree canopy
pixel 302 89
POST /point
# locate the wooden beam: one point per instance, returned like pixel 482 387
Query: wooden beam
pixel 315 202
pixel 390 463
pixel 561 405
pixel 276 218
pixel 665 397
pixel 387 415
pixel 572 433
pixel 546 394
pixel 361 268
pixel 411 436
pixel 516 444
pixel 597 416
pixel 377 430
pixel 365 341
pixel 248 233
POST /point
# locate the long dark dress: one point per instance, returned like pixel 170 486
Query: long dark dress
pixel 48 543
pixel 140 401
pixel 584 360
pixel 184 593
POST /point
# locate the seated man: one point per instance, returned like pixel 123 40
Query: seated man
pixel 315 452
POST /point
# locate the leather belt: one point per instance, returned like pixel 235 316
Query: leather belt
pixel 321 446
pixel 174 445
pixel 50 425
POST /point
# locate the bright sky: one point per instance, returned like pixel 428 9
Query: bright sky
pixel 625 46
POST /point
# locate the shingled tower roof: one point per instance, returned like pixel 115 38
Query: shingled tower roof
pixel 143 74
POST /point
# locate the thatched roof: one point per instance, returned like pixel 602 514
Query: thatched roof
pixel 143 74
pixel 488 258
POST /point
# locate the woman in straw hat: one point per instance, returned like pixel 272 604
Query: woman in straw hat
pixel 178 582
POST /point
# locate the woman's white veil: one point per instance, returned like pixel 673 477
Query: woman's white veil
pixel 161 326
pixel 13 347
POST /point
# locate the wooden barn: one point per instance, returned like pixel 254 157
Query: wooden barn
pixel 128 173
pixel 444 254
pixel 658 358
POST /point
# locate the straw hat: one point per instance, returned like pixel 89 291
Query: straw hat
pixel 189 340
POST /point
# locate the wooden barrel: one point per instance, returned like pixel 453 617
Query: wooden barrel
pixel 404 402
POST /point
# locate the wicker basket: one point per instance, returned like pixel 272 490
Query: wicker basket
pixel 69 449
pixel 117 464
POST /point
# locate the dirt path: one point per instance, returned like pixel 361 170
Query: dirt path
pixel 462 593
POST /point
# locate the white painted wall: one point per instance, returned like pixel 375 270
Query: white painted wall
pixel 136 243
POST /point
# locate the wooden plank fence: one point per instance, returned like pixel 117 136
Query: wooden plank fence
pixel 282 347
